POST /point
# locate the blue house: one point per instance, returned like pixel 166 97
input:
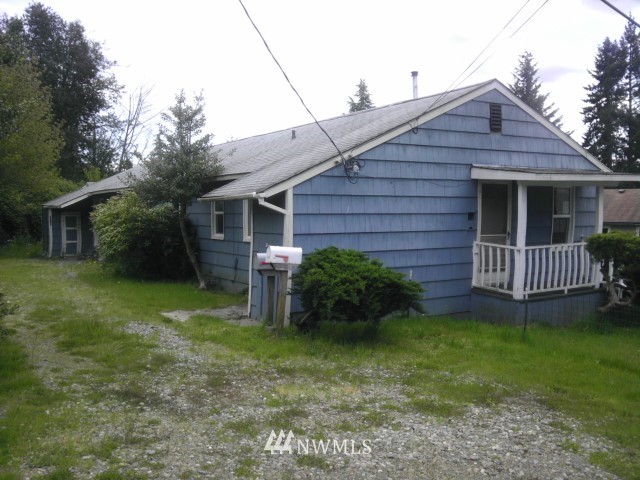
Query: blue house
pixel 471 193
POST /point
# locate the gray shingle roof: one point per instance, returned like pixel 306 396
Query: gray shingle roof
pixel 111 184
pixel 622 206
pixel 270 159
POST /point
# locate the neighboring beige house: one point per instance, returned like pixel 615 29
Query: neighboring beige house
pixel 622 210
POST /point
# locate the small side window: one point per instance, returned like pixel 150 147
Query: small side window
pixel 217 220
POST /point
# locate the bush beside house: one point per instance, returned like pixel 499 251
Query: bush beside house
pixel 346 286
pixel 140 241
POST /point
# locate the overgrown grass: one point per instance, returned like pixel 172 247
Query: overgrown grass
pixel 24 405
pixel 442 364
pixel 21 248
pixel 83 310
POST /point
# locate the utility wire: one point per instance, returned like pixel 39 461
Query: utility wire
pixel 527 20
pixel 479 55
pixel 510 37
pixel 621 13
pixel 289 82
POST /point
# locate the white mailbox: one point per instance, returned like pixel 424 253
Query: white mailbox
pixel 278 258
pixel 290 255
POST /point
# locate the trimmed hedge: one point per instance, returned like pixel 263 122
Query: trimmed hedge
pixel 346 286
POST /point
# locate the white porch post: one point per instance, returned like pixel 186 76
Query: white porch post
pixel 287 240
pixel 599 220
pixel 521 238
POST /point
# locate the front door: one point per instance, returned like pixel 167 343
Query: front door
pixel 495 213
pixel 71 234
pixel 495 222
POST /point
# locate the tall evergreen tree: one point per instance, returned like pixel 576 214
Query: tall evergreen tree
pixel 364 98
pixel 602 115
pixel 630 44
pixel 526 86
pixel 182 159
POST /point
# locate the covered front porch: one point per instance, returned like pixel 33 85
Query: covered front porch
pixel 524 271
pixel 532 231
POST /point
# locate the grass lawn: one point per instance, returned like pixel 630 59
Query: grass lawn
pixel 443 364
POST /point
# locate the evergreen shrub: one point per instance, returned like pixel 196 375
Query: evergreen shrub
pixel 337 285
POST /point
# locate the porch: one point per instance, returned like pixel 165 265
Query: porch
pixel 551 213
pixel 520 272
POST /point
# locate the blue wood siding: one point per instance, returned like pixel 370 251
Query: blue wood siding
pixel 267 230
pixel 83 210
pixel 224 262
pixel 415 206
pixel 559 310
pixel 585 216
pixel 56 230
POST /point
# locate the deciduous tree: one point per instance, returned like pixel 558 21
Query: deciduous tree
pixel 78 76
pixel 30 143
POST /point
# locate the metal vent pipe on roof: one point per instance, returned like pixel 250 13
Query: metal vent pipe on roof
pixel 414 75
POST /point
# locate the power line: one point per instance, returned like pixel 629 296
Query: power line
pixel 456 83
pixel 479 55
pixel 527 20
pixel 510 37
pixel 621 13
pixel 291 85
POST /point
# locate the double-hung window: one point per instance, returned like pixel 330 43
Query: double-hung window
pixel 217 220
pixel 561 227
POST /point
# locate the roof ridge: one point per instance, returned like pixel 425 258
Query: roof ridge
pixel 369 110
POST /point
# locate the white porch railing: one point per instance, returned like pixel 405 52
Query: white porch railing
pixel 536 269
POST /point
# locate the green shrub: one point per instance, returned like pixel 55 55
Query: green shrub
pixel 622 249
pixel 347 286
pixel 140 241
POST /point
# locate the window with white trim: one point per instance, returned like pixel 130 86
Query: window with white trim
pixel 217 220
pixel 562 226
pixel 247 220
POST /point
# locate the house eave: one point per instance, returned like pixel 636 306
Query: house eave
pixel 550 177
pixel 224 198
pixel 81 198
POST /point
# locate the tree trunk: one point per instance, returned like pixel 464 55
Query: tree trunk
pixel 182 213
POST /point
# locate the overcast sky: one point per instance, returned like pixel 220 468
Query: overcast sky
pixel 327 46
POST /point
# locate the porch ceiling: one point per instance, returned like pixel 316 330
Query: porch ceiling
pixel 531 176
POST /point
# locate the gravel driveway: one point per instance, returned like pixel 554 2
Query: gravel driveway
pixel 205 416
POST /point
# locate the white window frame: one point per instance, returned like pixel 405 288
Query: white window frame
pixel 78 228
pixel 247 220
pixel 217 216
pixel 509 210
pixel 570 215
